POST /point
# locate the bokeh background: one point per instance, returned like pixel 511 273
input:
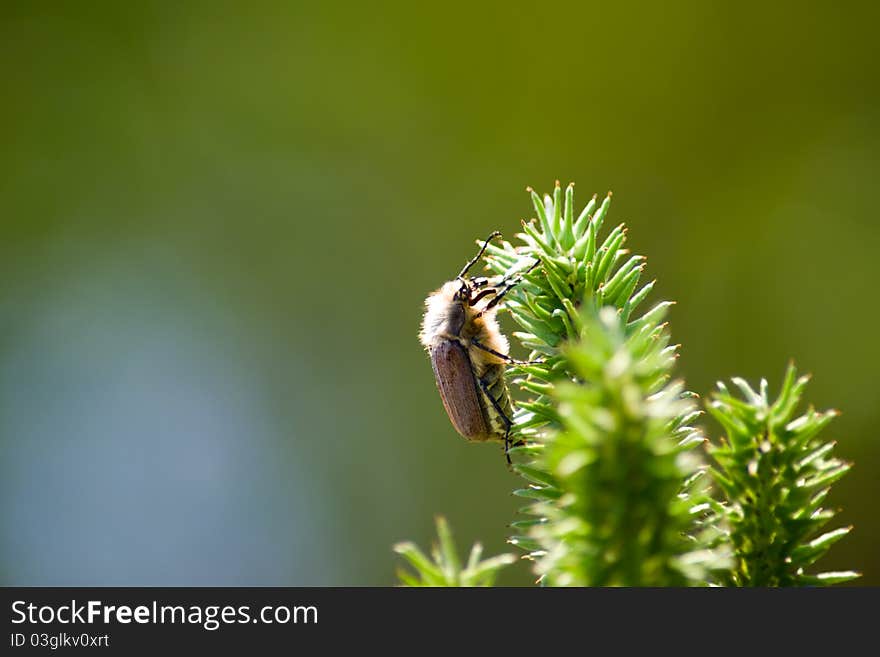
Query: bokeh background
pixel 219 222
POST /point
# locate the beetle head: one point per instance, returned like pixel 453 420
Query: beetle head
pixel 463 294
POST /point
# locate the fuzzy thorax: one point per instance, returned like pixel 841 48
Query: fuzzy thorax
pixel 449 318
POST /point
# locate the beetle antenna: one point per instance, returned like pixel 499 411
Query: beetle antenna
pixel 480 254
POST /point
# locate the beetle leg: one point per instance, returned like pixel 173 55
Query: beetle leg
pixel 518 275
pixel 504 357
pixel 508 423
pixel 508 284
pixel 512 284
pixel 485 293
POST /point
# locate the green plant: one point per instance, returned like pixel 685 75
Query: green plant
pixel 617 487
pixel 615 484
pixel 775 475
pixel 444 568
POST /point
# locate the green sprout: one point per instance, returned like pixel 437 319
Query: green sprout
pixel 444 567
pixel 606 442
pixel 775 475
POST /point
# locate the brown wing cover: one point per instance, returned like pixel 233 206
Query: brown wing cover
pixel 458 390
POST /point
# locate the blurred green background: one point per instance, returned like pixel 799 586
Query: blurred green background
pixel 219 223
